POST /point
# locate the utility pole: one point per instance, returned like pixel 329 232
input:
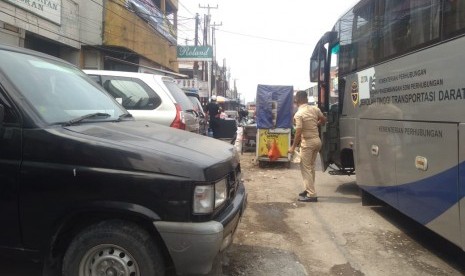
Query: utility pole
pixel 196 63
pixel 207 26
pixel 206 42
pixel 235 90
pixel 214 65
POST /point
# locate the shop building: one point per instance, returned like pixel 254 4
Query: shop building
pixel 129 35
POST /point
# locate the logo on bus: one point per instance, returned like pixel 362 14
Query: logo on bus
pixel 354 93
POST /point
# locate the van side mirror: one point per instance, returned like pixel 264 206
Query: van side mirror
pixel 2 114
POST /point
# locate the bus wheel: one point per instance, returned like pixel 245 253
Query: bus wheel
pixel 113 248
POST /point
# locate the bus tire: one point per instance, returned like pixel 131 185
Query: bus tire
pixel 121 247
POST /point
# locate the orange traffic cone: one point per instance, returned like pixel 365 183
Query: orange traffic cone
pixel 274 153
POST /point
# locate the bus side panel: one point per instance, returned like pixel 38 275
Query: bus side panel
pixel 376 159
pixel 462 181
pixel 427 176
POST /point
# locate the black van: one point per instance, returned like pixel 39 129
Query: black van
pixel 87 190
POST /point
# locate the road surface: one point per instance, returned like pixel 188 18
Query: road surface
pixel 279 236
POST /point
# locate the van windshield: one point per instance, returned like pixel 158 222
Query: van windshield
pixel 57 91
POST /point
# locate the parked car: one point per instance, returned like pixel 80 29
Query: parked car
pixel 85 188
pixel 149 97
pixel 203 123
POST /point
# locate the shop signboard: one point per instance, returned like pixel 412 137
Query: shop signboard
pixel 195 53
pixel 47 9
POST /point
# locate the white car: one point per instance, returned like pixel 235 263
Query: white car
pixel 149 97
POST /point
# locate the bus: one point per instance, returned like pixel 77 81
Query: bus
pixel 391 80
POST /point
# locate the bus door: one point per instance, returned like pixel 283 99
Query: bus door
pixel 325 75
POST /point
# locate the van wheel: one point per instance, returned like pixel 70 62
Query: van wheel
pixel 113 248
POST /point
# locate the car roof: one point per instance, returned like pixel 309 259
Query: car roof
pixel 126 74
pixel 32 53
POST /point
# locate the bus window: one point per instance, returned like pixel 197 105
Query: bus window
pixel 364 40
pixel 424 21
pixel 347 60
pixel 454 17
pixel 408 24
pixel 394 28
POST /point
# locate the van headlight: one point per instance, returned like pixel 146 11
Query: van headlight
pixel 209 197
pixel 221 192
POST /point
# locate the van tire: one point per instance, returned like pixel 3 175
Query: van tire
pixel 113 245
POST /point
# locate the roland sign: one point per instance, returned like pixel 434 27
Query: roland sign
pixel 200 53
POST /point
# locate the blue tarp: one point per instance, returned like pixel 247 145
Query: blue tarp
pixel 278 97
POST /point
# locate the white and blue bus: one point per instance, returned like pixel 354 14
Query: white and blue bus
pixel 391 78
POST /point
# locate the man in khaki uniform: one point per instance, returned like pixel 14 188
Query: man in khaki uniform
pixel 307 119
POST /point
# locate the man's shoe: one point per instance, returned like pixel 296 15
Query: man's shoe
pixel 308 199
pixel 304 193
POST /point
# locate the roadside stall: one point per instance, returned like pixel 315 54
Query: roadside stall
pixel 274 123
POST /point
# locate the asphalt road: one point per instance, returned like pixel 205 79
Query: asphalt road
pixel 336 236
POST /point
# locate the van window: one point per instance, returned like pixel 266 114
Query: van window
pixel 10 116
pixel 178 95
pixel 132 93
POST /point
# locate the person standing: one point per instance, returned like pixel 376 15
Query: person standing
pixel 307 119
pixel 213 111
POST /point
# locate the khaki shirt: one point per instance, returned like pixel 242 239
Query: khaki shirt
pixel 306 118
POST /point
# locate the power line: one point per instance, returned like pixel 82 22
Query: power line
pixel 186 8
pixel 263 38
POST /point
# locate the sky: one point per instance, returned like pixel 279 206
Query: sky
pixel 264 41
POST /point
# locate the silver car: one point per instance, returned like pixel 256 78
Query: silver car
pixel 150 97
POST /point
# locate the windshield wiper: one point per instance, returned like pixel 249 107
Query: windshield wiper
pixel 87 116
pixel 124 116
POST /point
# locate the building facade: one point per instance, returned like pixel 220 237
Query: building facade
pixel 129 35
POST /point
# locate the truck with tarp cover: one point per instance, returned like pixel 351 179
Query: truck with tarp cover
pixel 274 122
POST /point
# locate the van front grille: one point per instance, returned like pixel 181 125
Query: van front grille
pixel 234 179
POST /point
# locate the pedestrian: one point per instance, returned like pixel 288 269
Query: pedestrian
pixel 307 119
pixel 213 110
pixel 242 115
